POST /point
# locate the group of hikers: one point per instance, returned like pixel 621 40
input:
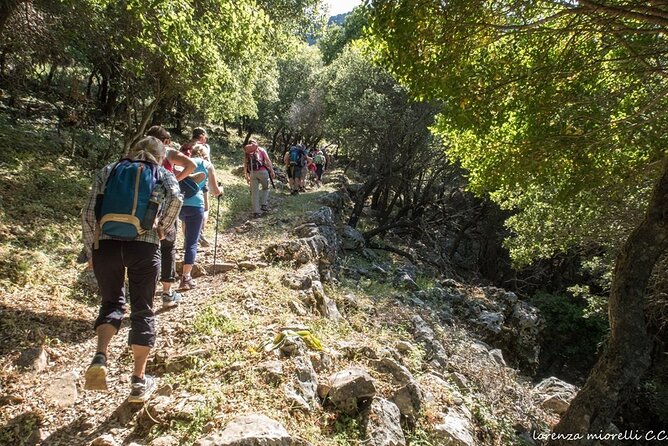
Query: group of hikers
pixel 259 171
pixel 130 226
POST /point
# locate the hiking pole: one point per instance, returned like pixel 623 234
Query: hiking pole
pixel 215 238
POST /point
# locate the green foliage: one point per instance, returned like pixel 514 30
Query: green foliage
pixel 336 37
pixel 571 328
pixel 347 430
pixel 557 117
pixel 191 429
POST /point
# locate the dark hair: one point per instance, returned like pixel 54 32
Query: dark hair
pixel 159 132
pixel 187 149
pixel 198 131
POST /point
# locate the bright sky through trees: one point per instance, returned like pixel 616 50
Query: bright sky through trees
pixel 341 6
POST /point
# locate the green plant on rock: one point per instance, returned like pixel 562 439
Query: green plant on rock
pixel 211 322
pixel 347 430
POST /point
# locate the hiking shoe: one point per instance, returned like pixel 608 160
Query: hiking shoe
pixel 82 257
pixel 294 192
pixel 187 283
pixel 141 389
pixel 96 374
pixel 264 208
pixel 203 242
pixel 171 300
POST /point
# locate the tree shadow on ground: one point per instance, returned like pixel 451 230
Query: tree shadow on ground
pixel 81 432
pixel 22 430
pixel 22 328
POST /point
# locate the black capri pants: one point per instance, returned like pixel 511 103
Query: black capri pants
pixel 142 261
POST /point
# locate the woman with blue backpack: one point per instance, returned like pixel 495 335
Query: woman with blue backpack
pixel 192 213
pixel 132 204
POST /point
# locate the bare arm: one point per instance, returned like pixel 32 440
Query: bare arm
pixel 179 159
pixel 213 182
pixel 246 169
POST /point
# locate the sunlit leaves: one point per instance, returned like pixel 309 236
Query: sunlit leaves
pixel 558 114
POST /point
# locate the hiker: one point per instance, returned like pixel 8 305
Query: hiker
pixel 320 161
pixel 199 136
pixel 112 250
pixel 306 160
pixel 294 160
pixel 192 214
pixel 257 170
pixel 184 168
pixel 312 169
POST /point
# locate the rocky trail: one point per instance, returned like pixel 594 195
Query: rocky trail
pixel 302 336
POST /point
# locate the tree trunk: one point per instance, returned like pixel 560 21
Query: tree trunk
pixel 274 139
pixel 141 128
pixel 627 353
pixel 248 137
pixel 360 199
pixel 7 7
pixel 52 72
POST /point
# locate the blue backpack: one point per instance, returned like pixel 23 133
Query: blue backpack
pixel 295 156
pixel 129 203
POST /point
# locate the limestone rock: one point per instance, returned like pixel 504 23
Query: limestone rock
pixel 302 278
pixel 555 395
pixel 272 370
pixel 104 440
pixel 350 387
pixel 62 391
pixel 403 279
pixel 322 217
pixel 433 347
pixel 247 264
pixel 455 430
pixel 399 372
pixel 306 379
pixel 250 430
pixel 497 356
pixel 220 267
pixel 335 200
pixel 197 271
pixel 165 440
pixel 381 423
pixel 351 239
pixel 296 400
pixel 409 400
pixel 491 321
pixel 293 346
pixel 405 347
pixel 297 308
pixel 325 306
pixel 33 359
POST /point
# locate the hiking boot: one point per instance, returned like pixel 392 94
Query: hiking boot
pixel 264 208
pixel 203 242
pixel 170 300
pixel 96 374
pixel 141 389
pixel 294 192
pixel 187 283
